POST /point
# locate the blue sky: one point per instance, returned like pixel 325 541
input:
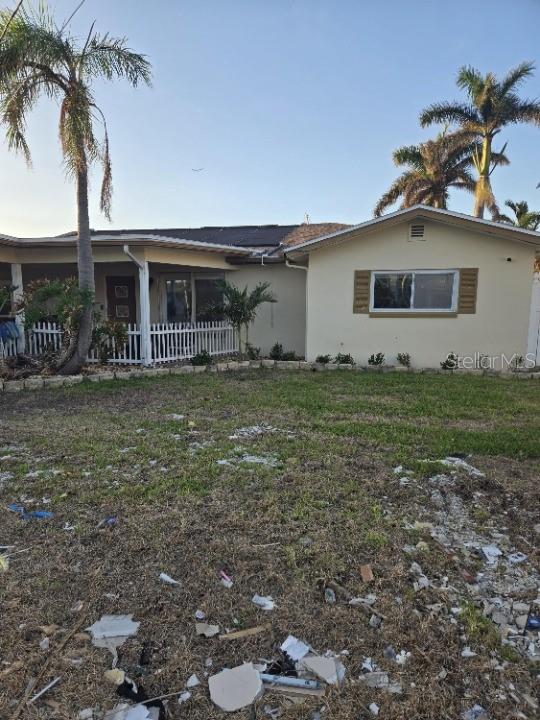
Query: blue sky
pixel 290 106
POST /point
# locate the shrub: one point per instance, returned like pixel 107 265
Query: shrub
pixel 450 362
pixel 323 359
pixel 276 353
pixel 202 358
pixel 106 336
pixel 518 361
pixel 404 359
pixel 344 359
pixel 377 359
pixel 289 355
pixel 253 353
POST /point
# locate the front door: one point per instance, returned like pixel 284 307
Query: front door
pixel 121 302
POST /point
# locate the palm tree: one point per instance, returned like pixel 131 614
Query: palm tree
pixel 240 306
pixel 523 217
pixel 39 59
pixel 492 104
pixel 433 168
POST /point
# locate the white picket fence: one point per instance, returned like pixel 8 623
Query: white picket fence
pixel 170 342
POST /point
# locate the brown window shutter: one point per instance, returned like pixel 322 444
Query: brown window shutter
pixel 468 286
pixel 362 285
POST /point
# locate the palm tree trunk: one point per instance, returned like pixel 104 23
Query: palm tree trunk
pixel 75 357
pixel 483 192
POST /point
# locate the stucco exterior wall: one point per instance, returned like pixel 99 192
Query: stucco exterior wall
pixel 283 321
pixel 500 324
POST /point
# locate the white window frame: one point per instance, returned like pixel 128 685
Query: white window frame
pixel 455 291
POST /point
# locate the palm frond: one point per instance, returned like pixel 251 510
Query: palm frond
pixel 516 76
pixel 446 112
pixel 110 57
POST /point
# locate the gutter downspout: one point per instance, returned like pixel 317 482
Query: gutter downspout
pixel 130 255
pixel 301 267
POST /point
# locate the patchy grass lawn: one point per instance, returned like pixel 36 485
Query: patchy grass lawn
pixel 324 501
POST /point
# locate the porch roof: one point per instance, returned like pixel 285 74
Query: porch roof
pixel 120 239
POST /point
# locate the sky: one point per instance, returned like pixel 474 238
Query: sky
pixel 290 106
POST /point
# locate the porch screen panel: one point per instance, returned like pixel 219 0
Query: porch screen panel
pixel 178 300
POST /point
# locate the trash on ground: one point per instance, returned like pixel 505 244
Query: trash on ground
pixel 477 712
pixel 367 573
pixel 111 631
pixel 294 648
pixel 130 712
pixel 248 632
pixel 328 669
pixel 168 579
pixel 206 629
pixel 264 603
pixel 4 563
pixel 235 688
pixel 289 681
pixel 226 581
pixel 199 615
pixel 460 464
pixel 374 708
pixel 45 690
pixel 467 652
pixel 25 514
pixel 492 554
pixel 184 697
pixel 329 596
pixel 193 681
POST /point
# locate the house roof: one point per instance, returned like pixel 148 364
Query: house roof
pixel 448 217
pixel 239 241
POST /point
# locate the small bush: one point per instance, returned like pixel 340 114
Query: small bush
pixel 322 359
pixel 289 355
pixel 253 353
pixel 107 335
pixel 404 359
pixel 202 358
pixel 344 359
pixel 276 353
pixel 450 362
pixel 377 359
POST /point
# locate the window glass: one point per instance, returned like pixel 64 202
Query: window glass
pixel 392 291
pixel 179 300
pixel 208 295
pixel 433 291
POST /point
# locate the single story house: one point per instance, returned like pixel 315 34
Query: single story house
pixel 426 282
pixel 421 281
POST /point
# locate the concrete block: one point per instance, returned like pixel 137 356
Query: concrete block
pixel 33 383
pixel 255 363
pixel 233 365
pixel 14 385
pixel 73 379
pixel 304 365
pixel 345 366
pixel 199 368
pixel 54 381
pixel 222 366
pixel 267 363
pixel 244 364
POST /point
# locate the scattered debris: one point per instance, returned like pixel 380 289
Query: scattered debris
pixel 460 464
pixel 226 581
pixel 477 712
pixel 492 554
pixel 374 708
pixel 254 431
pixel 30 514
pixel 42 692
pixel 184 697
pixel 168 579
pixel 367 573
pixel 294 648
pixel 467 652
pixel 328 669
pixel 206 629
pixel 199 615
pixel 111 631
pixel 193 681
pixel 233 689
pixel 329 596
pixel 4 563
pixel 264 603
pixel 239 634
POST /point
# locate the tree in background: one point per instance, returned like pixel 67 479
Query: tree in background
pixel 433 168
pixel 523 217
pixel 39 59
pixel 491 105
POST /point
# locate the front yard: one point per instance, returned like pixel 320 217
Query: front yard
pixel 286 482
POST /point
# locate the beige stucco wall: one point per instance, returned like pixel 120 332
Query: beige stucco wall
pixel 283 321
pixel 499 326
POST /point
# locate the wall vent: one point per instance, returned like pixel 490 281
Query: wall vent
pixel 416 232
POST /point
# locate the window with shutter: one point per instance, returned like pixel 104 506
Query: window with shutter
pixel 362 286
pixel 468 287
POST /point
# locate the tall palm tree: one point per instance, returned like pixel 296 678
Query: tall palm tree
pixel 523 217
pixel 39 59
pixel 433 168
pixel 491 105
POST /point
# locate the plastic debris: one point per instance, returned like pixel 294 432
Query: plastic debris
pixel 168 579
pixel 193 681
pixel 206 629
pixel 402 657
pixel 42 692
pixel 295 649
pixel 290 681
pixel 4 563
pixel 262 602
pixel 477 712
pixel 328 669
pixel 467 652
pixel 369 600
pixel 111 631
pixel 129 712
pixel 233 689
pixel 516 558
pixel 184 697
pixel 460 464
pixel 226 581
pixel 329 596
pixel 200 615
pixel 491 553
pixel 533 622
pixel 32 514
pixel 248 632
pixel 45 643
pixel 374 708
